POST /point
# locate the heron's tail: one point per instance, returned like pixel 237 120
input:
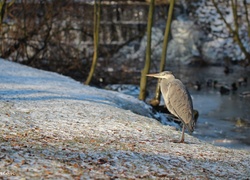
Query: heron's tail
pixel 190 126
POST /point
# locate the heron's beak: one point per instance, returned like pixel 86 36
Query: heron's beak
pixel 157 75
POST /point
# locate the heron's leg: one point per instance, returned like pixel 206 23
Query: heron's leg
pixel 182 135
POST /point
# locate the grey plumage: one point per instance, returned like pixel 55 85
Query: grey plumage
pixel 177 99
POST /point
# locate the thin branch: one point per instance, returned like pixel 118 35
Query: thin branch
pixel 222 17
pixel 247 18
pixel 234 10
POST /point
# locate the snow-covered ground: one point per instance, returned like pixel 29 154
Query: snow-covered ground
pixel 53 127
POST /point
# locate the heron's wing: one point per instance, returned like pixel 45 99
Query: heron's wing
pixel 178 101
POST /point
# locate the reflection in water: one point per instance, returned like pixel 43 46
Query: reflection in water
pixel 218 120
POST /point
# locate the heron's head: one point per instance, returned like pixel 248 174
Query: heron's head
pixel 162 75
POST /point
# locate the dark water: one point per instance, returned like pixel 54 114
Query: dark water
pixel 224 120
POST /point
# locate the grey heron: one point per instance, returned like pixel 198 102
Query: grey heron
pixel 177 100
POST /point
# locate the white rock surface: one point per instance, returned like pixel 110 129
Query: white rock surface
pixel 53 127
pixel 185 42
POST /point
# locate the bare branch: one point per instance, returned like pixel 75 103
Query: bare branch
pixel 247 18
pixel 222 17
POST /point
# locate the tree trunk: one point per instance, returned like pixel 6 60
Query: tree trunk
pixel 97 12
pixel 156 100
pixel 143 82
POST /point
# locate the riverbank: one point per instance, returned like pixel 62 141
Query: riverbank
pixel 54 127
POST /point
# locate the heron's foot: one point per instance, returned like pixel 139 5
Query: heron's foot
pixel 177 141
